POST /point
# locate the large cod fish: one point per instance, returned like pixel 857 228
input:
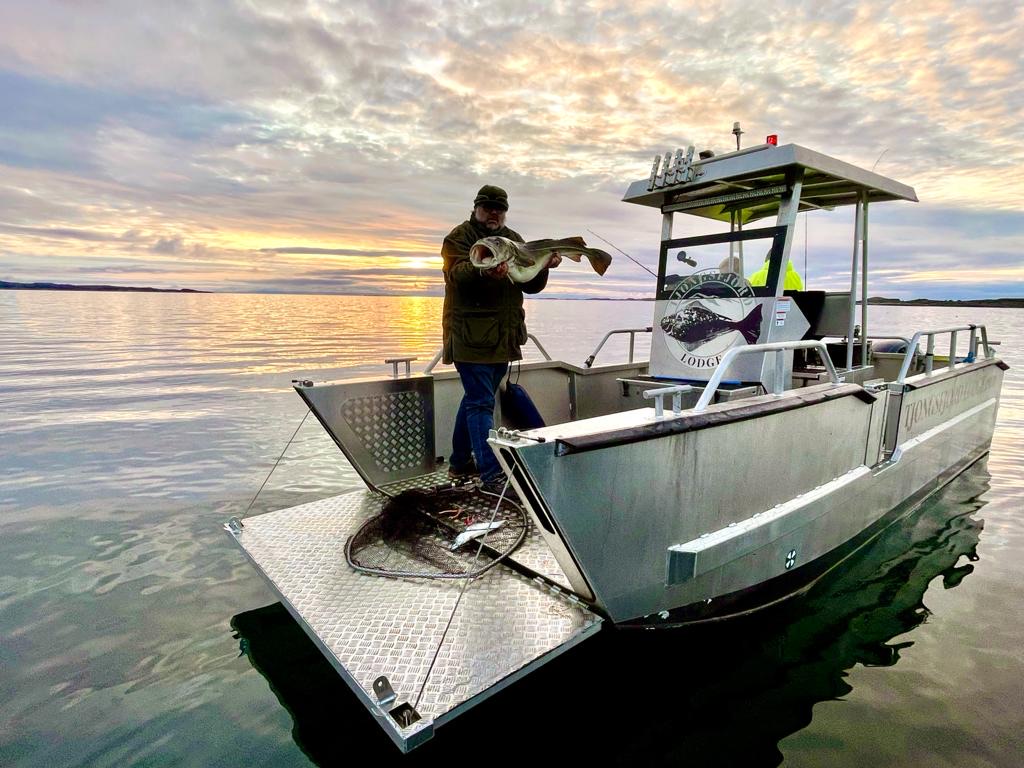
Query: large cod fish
pixel 526 260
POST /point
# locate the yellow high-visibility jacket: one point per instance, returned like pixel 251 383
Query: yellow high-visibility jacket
pixel 792 280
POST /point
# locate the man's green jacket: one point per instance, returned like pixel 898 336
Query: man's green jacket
pixel 483 320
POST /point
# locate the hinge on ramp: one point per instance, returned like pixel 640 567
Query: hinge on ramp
pixel 384 692
pixel 404 715
pixel 558 591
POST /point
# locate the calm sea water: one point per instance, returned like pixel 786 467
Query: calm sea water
pixel 133 632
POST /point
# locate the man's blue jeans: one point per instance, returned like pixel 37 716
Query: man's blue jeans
pixel 475 418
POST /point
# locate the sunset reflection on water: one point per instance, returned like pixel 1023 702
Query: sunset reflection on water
pixel 132 426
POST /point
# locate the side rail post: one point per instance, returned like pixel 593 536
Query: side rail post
pixel 779 348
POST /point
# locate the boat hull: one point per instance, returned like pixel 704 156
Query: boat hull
pixel 697 510
pixel 798 580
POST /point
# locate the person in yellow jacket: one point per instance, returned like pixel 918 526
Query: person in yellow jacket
pixel 792 280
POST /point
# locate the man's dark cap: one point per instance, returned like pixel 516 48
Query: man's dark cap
pixel 491 195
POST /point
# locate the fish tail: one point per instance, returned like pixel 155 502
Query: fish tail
pixel 599 260
pixel 750 326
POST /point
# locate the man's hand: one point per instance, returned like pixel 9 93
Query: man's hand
pixel 499 272
pixel 556 259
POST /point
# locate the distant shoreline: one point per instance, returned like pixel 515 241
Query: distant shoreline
pixel 1011 303
pixel 1005 302
pixel 6 285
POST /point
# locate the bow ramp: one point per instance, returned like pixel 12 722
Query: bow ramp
pixel 416 651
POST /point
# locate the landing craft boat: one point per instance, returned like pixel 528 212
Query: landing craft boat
pixel 768 436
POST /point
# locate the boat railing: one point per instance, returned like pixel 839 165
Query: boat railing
pixel 437 357
pixel 778 348
pixel 872 337
pixel 929 355
pixel 632 342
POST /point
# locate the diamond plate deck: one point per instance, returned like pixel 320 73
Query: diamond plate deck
pixel 368 626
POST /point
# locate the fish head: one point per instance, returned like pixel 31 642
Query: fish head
pixel 489 252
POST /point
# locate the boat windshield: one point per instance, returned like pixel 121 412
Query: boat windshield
pixel 742 253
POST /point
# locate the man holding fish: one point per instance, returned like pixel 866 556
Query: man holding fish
pixel 484 327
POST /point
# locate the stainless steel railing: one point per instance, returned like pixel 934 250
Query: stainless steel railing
pixel 437 357
pixel 779 348
pixel 929 355
pixel 632 338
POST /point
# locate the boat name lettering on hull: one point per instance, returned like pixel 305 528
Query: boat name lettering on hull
pixel 939 404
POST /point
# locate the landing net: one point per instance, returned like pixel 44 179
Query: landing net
pixel 436 533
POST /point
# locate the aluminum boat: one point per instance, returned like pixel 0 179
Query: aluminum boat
pixel 767 437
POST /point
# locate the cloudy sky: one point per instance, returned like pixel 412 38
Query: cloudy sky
pixel 311 146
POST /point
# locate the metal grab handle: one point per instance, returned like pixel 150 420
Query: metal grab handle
pixel 658 395
pixel 437 357
pixel 394 361
pixel 632 337
pixel 929 354
pixel 778 347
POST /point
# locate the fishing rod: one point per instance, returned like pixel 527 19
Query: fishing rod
pixel 613 245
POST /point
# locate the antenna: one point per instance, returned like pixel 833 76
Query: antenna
pixel 805 250
pixel 737 132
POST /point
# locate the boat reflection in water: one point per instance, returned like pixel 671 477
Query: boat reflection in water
pixel 714 694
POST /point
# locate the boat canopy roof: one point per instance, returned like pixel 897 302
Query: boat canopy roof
pixel 752 181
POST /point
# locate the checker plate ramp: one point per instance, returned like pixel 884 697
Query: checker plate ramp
pixel 506 624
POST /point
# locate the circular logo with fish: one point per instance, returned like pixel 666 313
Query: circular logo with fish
pixel 707 313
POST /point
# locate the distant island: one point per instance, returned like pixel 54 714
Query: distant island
pixel 1004 302
pixel 4 284
pixel 1008 302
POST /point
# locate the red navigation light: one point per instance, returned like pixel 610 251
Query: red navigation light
pixel 772 139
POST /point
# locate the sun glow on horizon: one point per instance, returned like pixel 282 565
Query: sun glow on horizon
pixel 327 149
